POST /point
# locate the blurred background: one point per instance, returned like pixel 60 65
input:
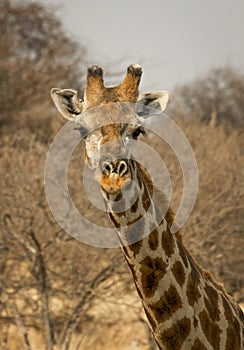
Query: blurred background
pixel 55 292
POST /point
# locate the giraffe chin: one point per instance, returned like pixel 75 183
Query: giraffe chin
pixel 114 183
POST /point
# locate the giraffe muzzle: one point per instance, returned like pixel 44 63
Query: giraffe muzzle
pixel 114 175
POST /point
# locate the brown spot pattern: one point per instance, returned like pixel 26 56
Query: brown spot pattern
pixel 182 253
pixel 134 206
pixel 169 217
pixel 195 269
pixel 139 181
pixel 233 340
pixel 118 197
pixel 198 345
pixel 152 270
pixel 174 337
pixel 136 220
pixel 146 202
pixel 227 308
pixel 192 291
pixel 212 303
pixel 210 329
pixel 179 273
pixel 119 208
pixel 135 247
pixel 167 305
pixel 153 240
pixel 114 221
pixel 168 243
pixel 133 235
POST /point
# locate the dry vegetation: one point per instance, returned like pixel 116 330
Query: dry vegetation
pixel 55 292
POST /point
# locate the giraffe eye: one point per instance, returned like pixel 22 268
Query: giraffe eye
pixel 137 132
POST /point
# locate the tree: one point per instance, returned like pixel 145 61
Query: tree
pixel 214 100
pixel 36 53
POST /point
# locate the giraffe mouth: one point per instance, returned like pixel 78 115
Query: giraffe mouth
pixel 114 183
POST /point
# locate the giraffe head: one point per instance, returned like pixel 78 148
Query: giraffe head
pixel 109 119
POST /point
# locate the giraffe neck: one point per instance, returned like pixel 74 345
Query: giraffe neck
pixel 185 307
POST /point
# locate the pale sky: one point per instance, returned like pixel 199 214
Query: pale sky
pixel 175 41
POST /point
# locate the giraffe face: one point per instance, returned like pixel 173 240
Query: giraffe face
pixel 113 166
pixel 109 119
pixel 108 147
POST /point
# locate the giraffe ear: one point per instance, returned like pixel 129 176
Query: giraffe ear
pixel 67 102
pixel 152 103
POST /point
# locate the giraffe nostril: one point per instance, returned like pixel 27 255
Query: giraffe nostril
pixel 122 168
pixel 107 168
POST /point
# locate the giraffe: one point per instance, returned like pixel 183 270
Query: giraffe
pixel 185 307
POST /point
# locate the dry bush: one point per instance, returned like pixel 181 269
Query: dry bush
pixel 215 228
pixel 215 99
pixel 34 51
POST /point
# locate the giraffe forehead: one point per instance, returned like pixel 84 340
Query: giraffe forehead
pixel 115 131
pixel 111 132
pixel 109 114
